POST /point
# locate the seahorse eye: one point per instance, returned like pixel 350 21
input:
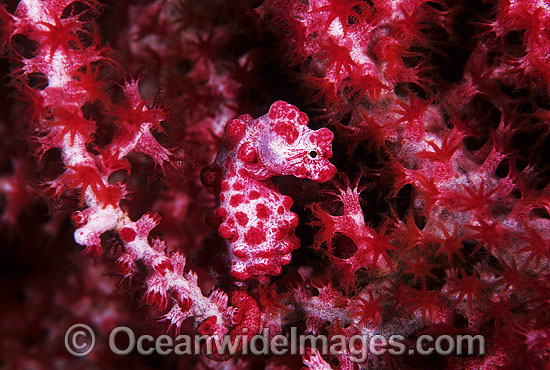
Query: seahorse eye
pixel 312 154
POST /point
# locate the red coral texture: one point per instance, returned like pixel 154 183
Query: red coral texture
pixel 334 167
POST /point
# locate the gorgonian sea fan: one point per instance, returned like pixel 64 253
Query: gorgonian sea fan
pixel 334 167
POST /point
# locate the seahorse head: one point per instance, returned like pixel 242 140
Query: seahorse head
pixel 286 145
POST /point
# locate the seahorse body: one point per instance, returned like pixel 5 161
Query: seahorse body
pixel 253 217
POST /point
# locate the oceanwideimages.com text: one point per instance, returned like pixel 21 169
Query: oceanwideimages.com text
pixel 80 341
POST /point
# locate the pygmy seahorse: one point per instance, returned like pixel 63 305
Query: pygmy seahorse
pixel 253 216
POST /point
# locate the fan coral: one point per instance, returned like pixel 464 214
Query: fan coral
pixel 139 195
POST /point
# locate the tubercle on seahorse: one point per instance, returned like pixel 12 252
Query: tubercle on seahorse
pixel 253 216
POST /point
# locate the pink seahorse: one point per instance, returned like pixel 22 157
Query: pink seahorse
pixel 253 216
